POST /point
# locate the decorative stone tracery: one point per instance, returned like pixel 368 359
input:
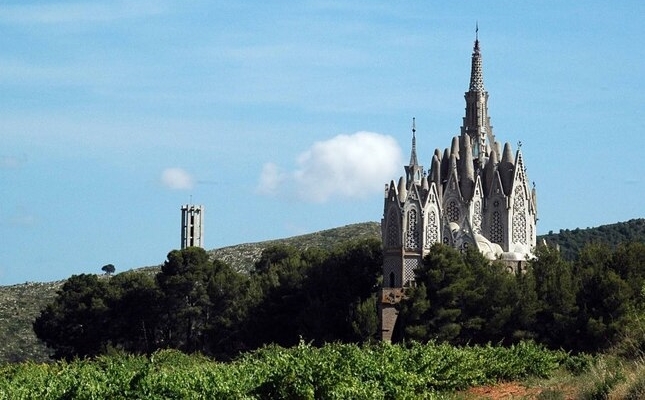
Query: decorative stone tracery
pixel 519 217
pixel 453 211
pixel 432 229
pixel 477 217
pixel 410 265
pixel 496 228
pixel 392 236
pixel 389 270
pixel 412 233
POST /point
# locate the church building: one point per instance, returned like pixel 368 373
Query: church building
pixel 476 194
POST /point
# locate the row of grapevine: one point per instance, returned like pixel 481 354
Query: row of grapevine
pixel 334 371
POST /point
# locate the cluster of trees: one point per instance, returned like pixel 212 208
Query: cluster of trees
pixel 588 304
pixel 194 304
pixel 571 242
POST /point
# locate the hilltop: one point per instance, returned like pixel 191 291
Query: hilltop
pixel 20 304
pixel 242 256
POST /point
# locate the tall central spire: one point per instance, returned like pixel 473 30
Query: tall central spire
pixel 476 125
pixel 476 75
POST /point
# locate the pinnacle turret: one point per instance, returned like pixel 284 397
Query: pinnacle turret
pixel 413 153
pixel 414 171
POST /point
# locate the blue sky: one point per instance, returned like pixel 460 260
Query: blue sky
pixel 284 118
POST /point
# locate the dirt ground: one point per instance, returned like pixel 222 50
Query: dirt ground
pixel 506 391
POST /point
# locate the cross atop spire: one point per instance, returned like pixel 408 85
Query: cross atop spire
pixel 476 74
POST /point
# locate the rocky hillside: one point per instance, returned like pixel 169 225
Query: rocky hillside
pixel 243 256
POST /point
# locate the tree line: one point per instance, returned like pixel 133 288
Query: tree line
pixel 198 305
pixel 571 242
pixel 586 305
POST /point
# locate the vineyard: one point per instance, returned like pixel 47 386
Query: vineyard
pixel 334 371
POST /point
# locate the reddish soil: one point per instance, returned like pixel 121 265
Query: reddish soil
pixel 507 391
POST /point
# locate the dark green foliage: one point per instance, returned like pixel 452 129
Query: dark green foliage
pixel 76 323
pixel 583 306
pixel 609 291
pixel 556 298
pixel 315 295
pixel 231 295
pixel 185 307
pixel 108 269
pixel 580 363
pixel 329 295
pixel 336 293
pixel 135 305
pixel 279 276
pixel 197 305
pixel 413 314
pixel 460 298
pixel 571 242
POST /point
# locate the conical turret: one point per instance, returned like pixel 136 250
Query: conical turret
pixel 489 171
pixel 467 175
pixel 403 193
pixel 454 147
pixel 445 165
pixel 424 184
pixel 435 170
pixel 507 168
pixel 437 153
pixel 435 174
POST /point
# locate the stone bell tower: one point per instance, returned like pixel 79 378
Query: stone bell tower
pixel 192 227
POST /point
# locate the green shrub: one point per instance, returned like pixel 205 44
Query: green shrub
pixel 334 371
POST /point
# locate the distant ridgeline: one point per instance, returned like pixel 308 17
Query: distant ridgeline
pixel 572 241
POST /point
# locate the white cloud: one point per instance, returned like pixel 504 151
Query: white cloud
pixel 345 166
pixel 177 179
pixel 270 179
